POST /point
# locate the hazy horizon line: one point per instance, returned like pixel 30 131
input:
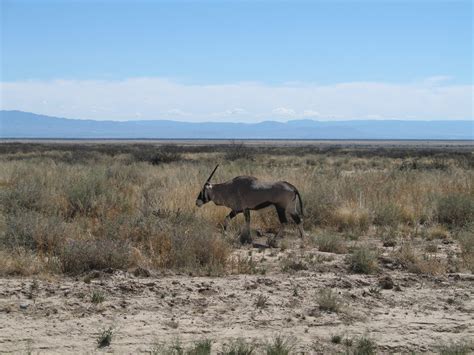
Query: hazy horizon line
pixel 248 123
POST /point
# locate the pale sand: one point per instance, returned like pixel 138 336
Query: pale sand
pixel 59 317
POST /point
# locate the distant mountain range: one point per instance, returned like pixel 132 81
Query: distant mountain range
pixel 18 124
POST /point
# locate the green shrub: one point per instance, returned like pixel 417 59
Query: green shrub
pixel 78 256
pixel 85 193
pixel 179 245
pixel 238 347
pixel 97 297
pixel 328 301
pixel 319 201
pixel 455 210
pixel 201 347
pixel 238 151
pixel 455 349
pixel 105 337
pixel 466 241
pixel 388 214
pixel 156 155
pixel 331 243
pixel 365 346
pixel 363 260
pixel 32 230
pixel 280 346
pixel 27 190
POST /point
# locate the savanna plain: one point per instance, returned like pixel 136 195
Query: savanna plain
pixel 102 249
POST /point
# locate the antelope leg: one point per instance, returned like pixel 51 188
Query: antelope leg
pixel 227 219
pixel 245 236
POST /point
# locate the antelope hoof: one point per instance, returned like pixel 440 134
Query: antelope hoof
pixel 245 237
pixel 272 242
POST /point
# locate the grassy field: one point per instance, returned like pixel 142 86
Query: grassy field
pixel 72 209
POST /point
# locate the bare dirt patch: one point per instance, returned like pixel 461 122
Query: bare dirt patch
pixel 416 313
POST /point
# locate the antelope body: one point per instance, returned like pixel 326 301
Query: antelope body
pixel 245 193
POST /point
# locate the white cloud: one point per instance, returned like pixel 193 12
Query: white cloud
pixel 176 112
pixel 237 111
pixel 283 111
pixel 157 98
pixel 311 113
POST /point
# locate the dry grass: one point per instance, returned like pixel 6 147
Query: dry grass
pixel 328 301
pixel 331 243
pixel 420 263
pixel 72 208
pixel 466 241
pixel 363 260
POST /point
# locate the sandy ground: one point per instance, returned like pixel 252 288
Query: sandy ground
pixel 57 315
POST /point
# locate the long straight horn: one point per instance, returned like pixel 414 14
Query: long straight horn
pixel 210 176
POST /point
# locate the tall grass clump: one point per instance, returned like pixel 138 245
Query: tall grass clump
pixel 365 346
pixel 410 259
pixel 157 156
pixel 237 151
pixel 466 242
pixel 363 260
pixel 353 220
pixel 319 200
pixel 34 231
pixel 86 193
pixel 280 346
pixel 238 347
pixel 455 210
pixel 456 349
pixel 388 214
pixel 331 243
pixel 328 301
pixel 186 243
pixel 78 256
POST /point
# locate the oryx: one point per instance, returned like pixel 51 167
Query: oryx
pixel 245 193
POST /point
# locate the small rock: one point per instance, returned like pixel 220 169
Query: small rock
pixel 251 286
pixel 141 272
pixel 23 306
pixel 386 282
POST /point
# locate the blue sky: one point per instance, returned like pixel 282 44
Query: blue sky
pixel 159 56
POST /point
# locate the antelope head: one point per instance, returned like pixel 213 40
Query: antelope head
pixel 203 196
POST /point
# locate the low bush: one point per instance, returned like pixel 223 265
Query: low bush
pixel 419 264
pixel 280 346
pixel 238 151
pixel 351 220
pixel 331 243
pixel 455 210
pixel 388 214
pixel 78 256
pixel 365 346
pixel 363 260
pixel 186 243
pixel 105 337
pixel 328 301
pixel 319 203
pixel 238 347
pixel 32 230
pixel 466 241
pixel 456 349
pixel 157 155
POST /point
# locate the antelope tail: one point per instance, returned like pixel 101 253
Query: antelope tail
pixel 300 200
pixel 297 193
